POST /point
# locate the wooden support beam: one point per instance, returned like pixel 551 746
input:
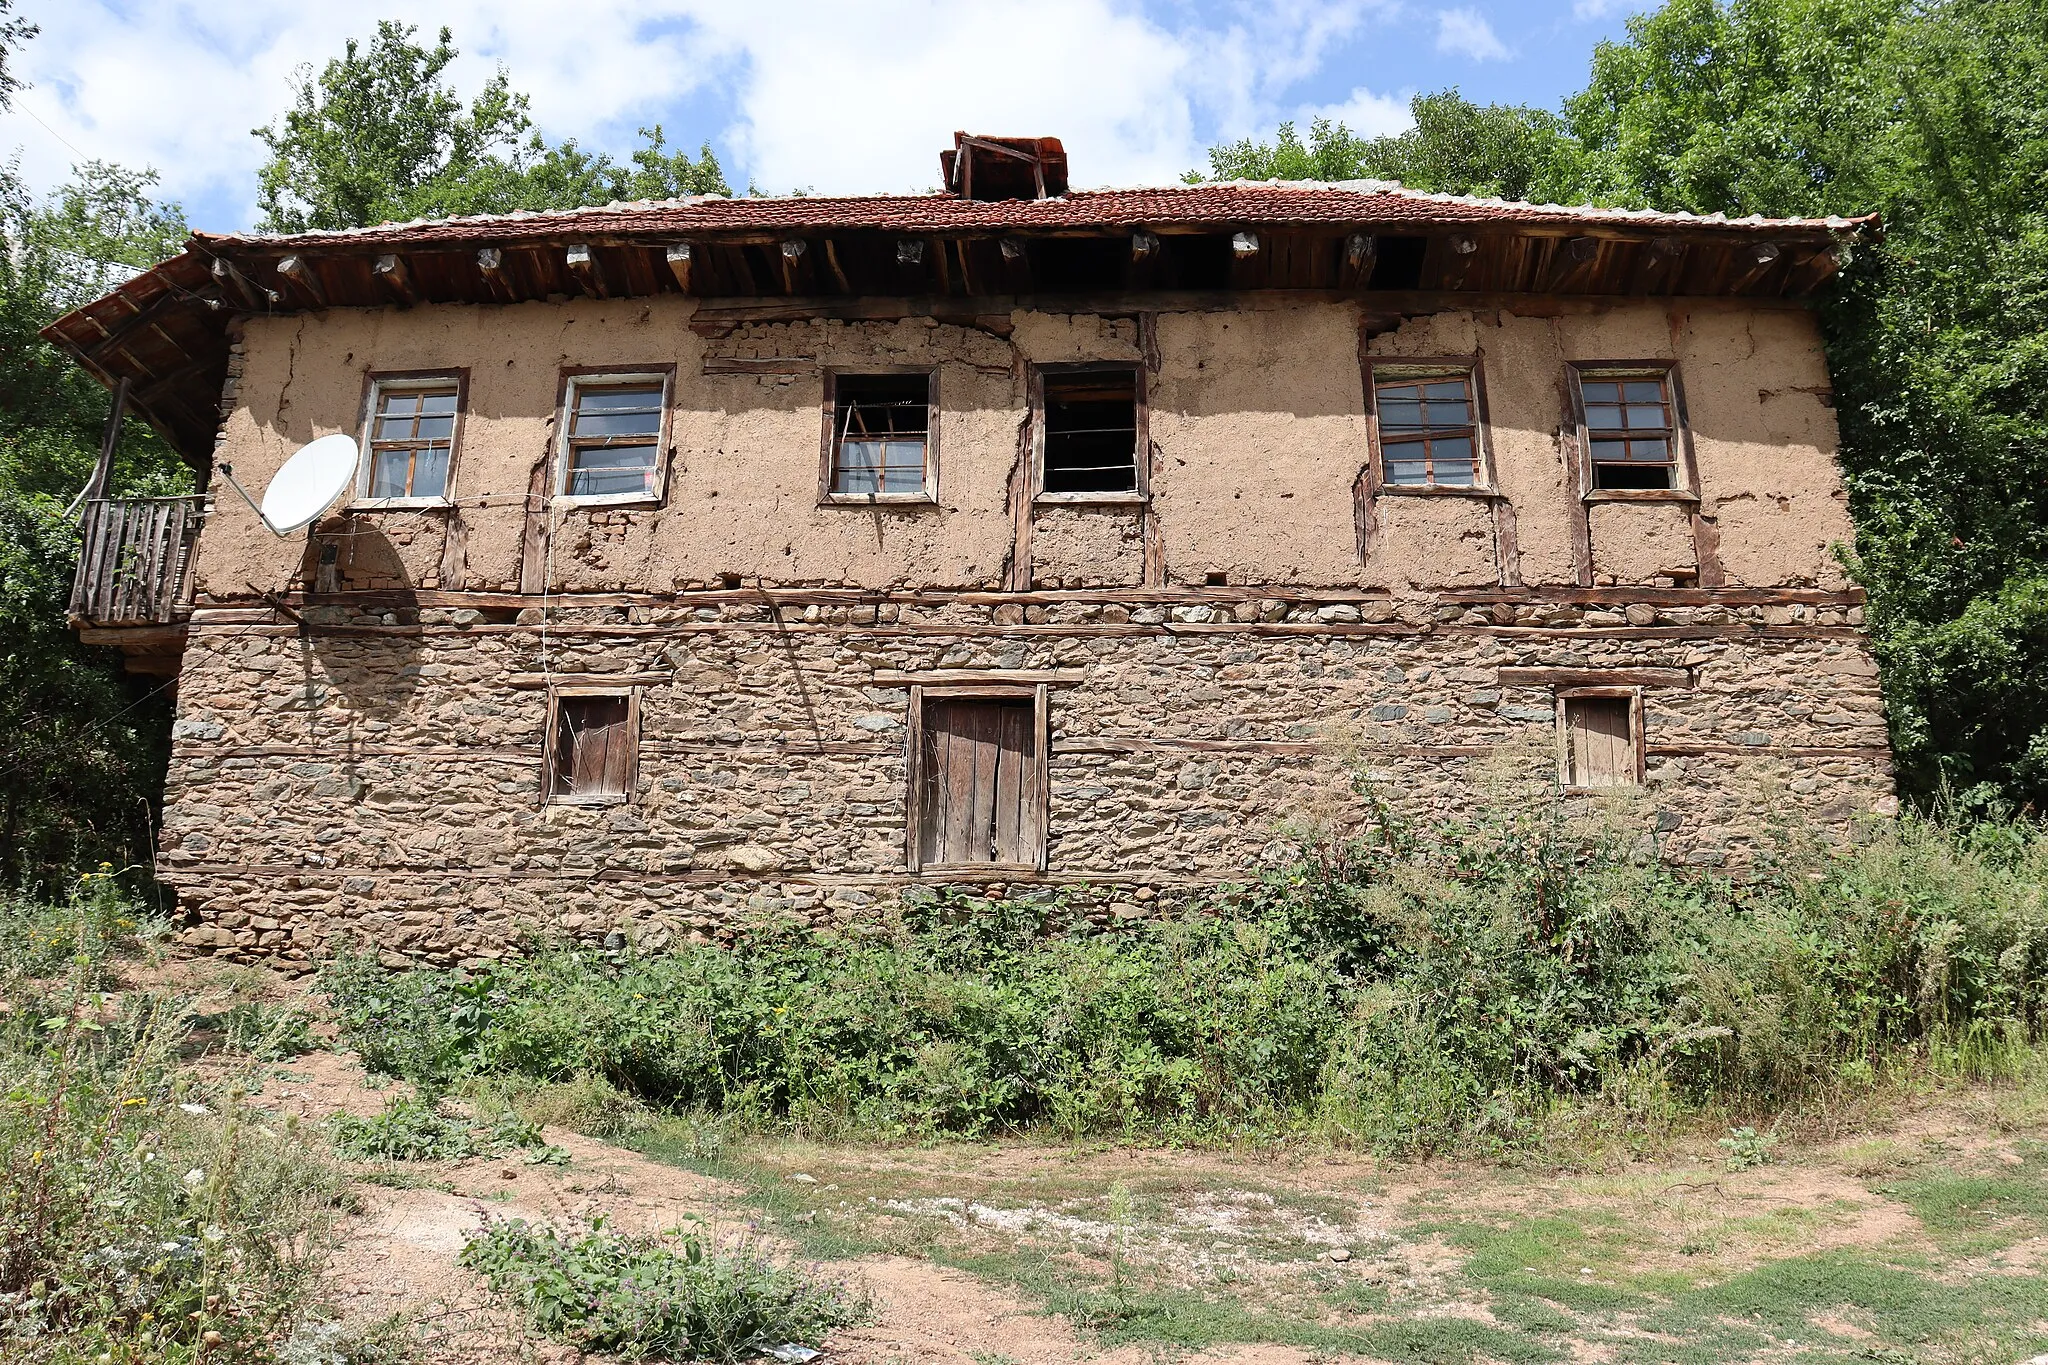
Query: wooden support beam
pixel 1246 269
pixel 1016 254
pixel 589 274
pixel 1753 261
pixel 791 254
pixel 1144 246
pixel 1361 254
pixel 838 271
pixel 910 266
pixel 301 273
pixel 1810 271
pixel 237 286
pixel 680 258
pixel 397 277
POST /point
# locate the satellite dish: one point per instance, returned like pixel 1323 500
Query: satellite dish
pixel 308 484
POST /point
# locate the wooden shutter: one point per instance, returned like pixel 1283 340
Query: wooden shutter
pixel 1599 741
pixel 979 799
pixel 593 746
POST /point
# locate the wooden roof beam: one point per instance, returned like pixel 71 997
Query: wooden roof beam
pixel 791 255
pixel 583 264
pixel 1246 269
pixel 1753 261
pixel 680 259
pixel 300 272
pixel 237 286
pixel 397 277
pixel 1361 254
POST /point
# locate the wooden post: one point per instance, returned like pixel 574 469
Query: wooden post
pixel 98 487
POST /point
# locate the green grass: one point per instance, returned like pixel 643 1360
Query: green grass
pixel 1972 1213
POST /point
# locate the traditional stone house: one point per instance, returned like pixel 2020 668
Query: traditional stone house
pixel 718 557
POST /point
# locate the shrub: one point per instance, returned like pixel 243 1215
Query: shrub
pixel 141 1217
pixel 1411 990
pixel 659 1295
pixel 411 1129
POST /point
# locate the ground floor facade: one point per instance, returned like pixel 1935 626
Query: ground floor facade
pixel 450 776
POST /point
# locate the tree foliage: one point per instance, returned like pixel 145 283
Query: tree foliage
pixel 85 743
pixel 1932 113
pixel 379 136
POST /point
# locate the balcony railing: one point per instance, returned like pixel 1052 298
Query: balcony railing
pixel 135 566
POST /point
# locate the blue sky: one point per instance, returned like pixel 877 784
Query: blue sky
pixel 794 93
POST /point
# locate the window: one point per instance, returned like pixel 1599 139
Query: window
pixel 1091 433
pixel 1631 433
pixel 978 780
pixel 612 442
pixel 881 434
pixel 1599 739
pixel 592 747
pixel 1429 433
pixel 411 441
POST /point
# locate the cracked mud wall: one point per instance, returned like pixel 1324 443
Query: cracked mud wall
pixel 1257 424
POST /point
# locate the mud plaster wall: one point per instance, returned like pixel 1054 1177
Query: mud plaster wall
pixel 1257 423
pixel 387 781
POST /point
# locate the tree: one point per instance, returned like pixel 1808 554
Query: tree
pixel 1456 147
pixel 378 136
pixel 1931 113
pixel 86 745
pixel 13 33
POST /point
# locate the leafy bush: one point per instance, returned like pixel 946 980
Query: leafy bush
pixel 1405 991
pixel 141 1217
pixel 659 1295
pixel 415 1025
pixel 409 1129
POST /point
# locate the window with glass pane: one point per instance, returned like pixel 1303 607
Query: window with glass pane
pixel 880 425
pixel 412 434
pixel 614 430
pixel 1630 430
pixel 1428 435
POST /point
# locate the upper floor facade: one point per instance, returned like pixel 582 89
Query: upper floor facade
pixel 1345 387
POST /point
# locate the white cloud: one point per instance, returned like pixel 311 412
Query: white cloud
pixel 1465 33
pixel 1365 113
pixel 1594 9
pixel 801 93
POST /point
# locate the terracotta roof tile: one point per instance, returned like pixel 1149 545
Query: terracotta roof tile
pixel 1364 203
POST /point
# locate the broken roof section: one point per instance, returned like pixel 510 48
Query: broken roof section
pixel 966 252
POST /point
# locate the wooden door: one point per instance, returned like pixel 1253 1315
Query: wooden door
pixel 1600 740
pixel 593 746
pixel 980 797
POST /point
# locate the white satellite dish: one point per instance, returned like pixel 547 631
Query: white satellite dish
pixel 308 484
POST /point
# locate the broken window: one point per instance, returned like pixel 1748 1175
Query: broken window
pixel 1091 432
pixel 591 751
pixel 1429 433
pixel 980 788
pixel 611 447
pixel 411 441
pixel 881 427
pixel 1597 739
pixel 1630 431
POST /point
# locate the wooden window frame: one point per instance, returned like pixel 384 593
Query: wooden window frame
pixel 556 692
pixel 1402 366
pixel 1039 694
pixel 380 382
pixel 575 380
pixel 828 451
pixel 1141 454
pixel 1634 697
pixel 1685 471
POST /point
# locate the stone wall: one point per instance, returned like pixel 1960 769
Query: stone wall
pixel 378 772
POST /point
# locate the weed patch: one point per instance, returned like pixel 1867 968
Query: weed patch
pixel 663 1295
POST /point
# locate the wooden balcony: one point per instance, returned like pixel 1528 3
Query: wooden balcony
pixel 135 565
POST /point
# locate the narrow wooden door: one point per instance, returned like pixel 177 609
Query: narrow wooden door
pixel 1600 734
pixel 980 801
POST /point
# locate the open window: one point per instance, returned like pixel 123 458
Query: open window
pixel 612 430
pixel 978 779
pixel 1600 737
pixel 593 747
pixel 1426 418
pixel 409 443
pixel 1633 429
pixel 880 444
pixel 1091 434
